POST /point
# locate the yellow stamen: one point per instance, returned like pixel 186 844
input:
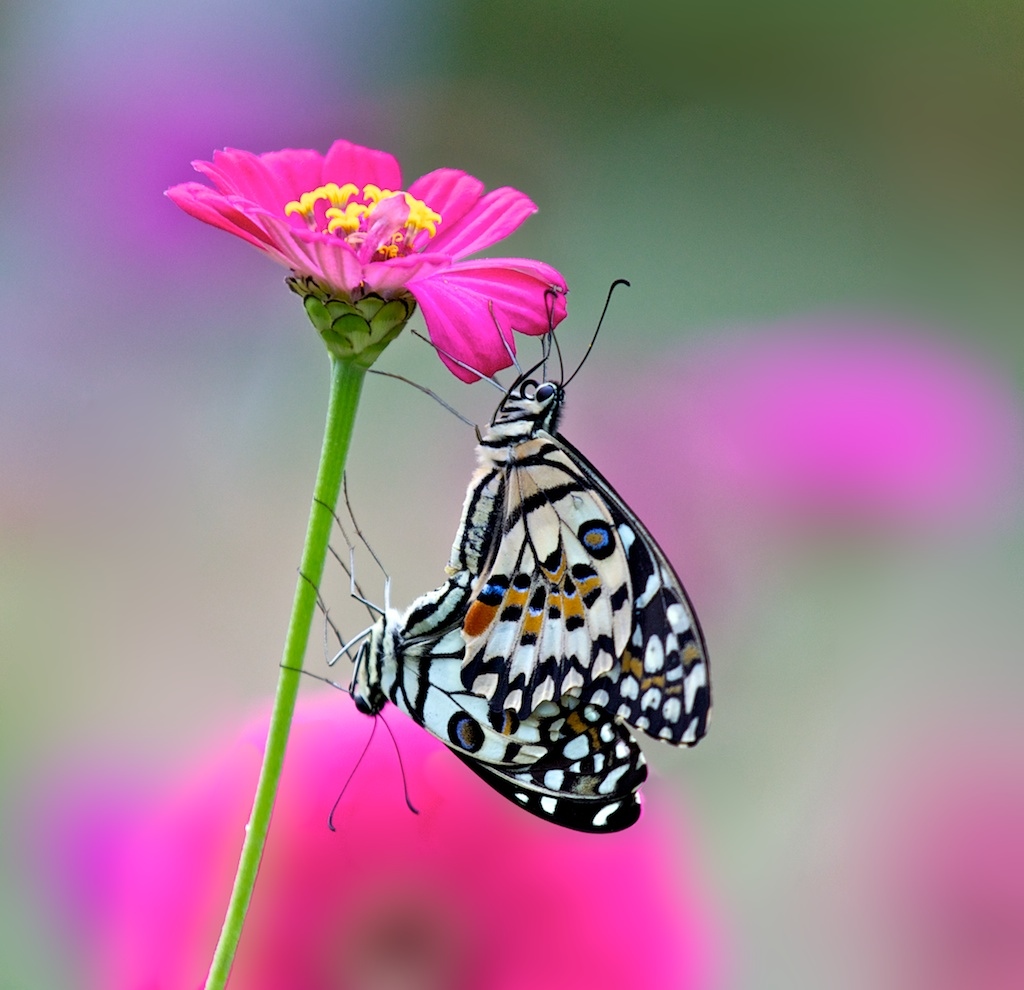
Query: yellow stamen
pixel 349 218
pixel 346 220
pixel 421 216
pixel 334 194
pixel 375 194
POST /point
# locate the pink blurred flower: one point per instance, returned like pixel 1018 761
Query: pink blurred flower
pixel 940 869
pixel 471 893
pixel 344 219
pixel 837 418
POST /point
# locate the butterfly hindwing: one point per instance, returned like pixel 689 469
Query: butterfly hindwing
pixel 570 763
pixel 588 778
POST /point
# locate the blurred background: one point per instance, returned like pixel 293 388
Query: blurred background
pixel 812 394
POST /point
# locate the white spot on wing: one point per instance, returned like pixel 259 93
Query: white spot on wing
pixel 695 680
pixel 630 688
pixel 677 617
pixel 672 710
pixel 485 684
pixel 609 784
pixel 554 779
pixel 549 804
pixel 576 748
pixel 600 698
pixel 651 699
pixel 652 587
pixel 601 818
pixel 654 655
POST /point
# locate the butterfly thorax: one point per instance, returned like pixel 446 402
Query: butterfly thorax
pixel 527 415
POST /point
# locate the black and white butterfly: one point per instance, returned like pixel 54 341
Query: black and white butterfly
pixel 562 623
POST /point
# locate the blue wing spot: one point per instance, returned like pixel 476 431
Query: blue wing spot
pixel 494 591
pixel 465 732
pixel 597 538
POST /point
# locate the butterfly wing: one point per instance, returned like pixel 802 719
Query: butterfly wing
pixel 588 778
pixel 576 596
pixel 573 764
pixel 661 684
pixel 551 606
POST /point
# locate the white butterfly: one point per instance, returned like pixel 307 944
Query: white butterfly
pixel 562 623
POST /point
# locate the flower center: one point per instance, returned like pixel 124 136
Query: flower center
pixel 394 220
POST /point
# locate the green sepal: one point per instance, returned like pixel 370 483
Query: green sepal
pixel 356 331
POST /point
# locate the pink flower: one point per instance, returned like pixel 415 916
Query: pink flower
pixel 938 867
pixel 344 220
pixel 470 893
pixel 845 419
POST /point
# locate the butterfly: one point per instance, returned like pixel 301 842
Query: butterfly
pixel 561 624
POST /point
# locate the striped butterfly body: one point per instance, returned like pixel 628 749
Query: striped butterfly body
pixel 562 623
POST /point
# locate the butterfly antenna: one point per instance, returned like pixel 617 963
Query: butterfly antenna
pixel 501 336
pixel 593 340
pixel 461 364
pixel 401 766
pixel 352 773
pixel 558 351
pixel 426 391
pixel 365 543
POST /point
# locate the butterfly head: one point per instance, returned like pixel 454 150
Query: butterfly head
pixel 367 690
pixel 529 407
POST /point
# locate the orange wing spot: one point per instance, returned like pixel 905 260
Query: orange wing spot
pixel 690 653
pixel 572 606
pixel 630 665
pixel 585 587
pixel 575 723
pixel 515 597
pixel 478 617
pixel 533 622
pixel 657 681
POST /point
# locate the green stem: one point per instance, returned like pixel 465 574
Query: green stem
pixel 346 384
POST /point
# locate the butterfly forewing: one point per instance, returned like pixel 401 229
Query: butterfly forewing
pixel 576 597
pixel 552 609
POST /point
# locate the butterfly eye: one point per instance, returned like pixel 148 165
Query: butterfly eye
pixel 544 392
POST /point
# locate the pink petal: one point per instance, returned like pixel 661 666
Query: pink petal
pixel 347 162
pixel 495 216
pixel 449 192
pixel 211 207
pixel 470 308
pixel 269 180
pixel 388 278
pixel 390 216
